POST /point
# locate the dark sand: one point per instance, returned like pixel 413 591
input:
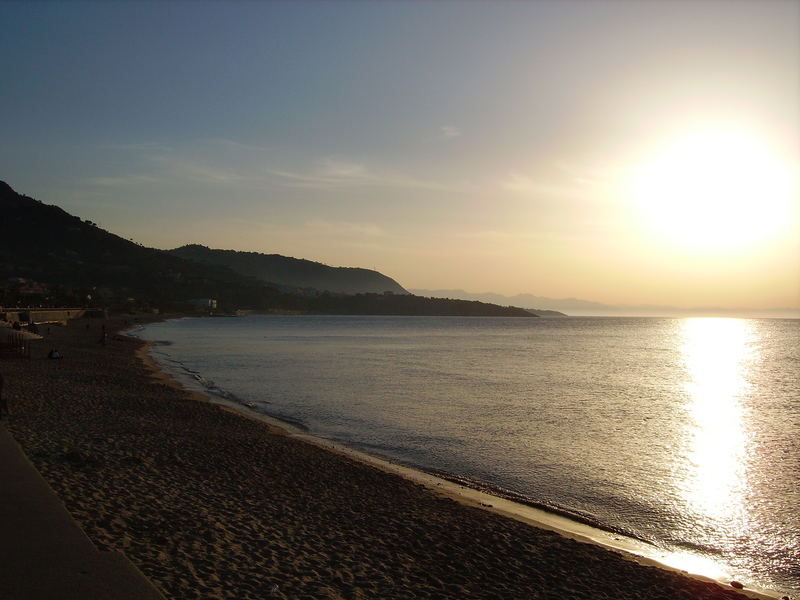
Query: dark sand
pixel 211 504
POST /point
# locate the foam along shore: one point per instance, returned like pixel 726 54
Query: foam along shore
pixel 211 504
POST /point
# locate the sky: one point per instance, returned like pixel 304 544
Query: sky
pixel 625 152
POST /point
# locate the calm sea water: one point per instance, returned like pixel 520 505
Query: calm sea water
pixel 684 433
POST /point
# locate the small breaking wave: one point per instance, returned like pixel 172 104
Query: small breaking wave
pixel 506 494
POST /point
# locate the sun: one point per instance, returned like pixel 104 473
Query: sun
pixel 714 190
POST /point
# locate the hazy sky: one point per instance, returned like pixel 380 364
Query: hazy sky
pixel 623 152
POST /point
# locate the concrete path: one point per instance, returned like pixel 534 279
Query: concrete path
pixel 44 555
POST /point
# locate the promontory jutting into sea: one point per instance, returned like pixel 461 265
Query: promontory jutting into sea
pixel 681 433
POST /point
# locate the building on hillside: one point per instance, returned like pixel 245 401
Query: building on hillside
pixel 204 303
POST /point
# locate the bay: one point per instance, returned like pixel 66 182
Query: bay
pixel 679 432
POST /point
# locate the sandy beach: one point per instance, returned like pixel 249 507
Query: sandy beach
pixel 211 504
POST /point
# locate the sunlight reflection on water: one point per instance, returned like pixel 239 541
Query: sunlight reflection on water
pixel 718 354
pixel 696 564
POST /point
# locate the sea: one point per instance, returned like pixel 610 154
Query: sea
pixel 681 434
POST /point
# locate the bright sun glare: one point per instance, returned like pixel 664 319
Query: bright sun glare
pixel 714 190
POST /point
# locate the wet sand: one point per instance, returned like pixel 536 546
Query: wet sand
pixel 211 504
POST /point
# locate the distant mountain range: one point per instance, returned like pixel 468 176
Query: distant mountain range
pixel 576 306
pixel 293 272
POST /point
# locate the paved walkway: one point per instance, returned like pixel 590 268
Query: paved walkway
pixel 44 555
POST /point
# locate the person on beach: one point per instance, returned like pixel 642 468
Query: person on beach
pixel 54 354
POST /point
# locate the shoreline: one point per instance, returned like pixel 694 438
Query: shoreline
pixel 210 504
pixel 638 551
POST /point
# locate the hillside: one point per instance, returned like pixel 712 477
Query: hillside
pixel 293 272
pixel 49 258
pixel 68 259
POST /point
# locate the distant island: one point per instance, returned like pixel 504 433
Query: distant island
pixel 51 258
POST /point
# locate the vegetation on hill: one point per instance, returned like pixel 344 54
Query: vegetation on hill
pixel 293 272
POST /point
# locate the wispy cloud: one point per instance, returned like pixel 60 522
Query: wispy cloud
pixel 120 181
pixel 226 162
pixel 516 182
pixel 450 131
pixel 333 173
pixel 589 176
pixel 328 172
pixel 133 146
pixel 524 184
pixel 343 169
pixel 345 229
pixel 214 143
pixel 199 171
pixel 496 235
